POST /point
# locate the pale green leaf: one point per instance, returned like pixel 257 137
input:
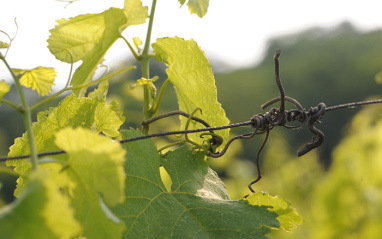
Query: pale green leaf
pixel 96 161
pixel 194 82
pixel 4 89
pixel 136 13
pixel 197 206
pixel 41 211
pixel 137 42
pixel 72 111
pixel 40 79
pixel 144 81
pixel 149 83
pixel 198 7
pixel 96 180
pixel 288 216
pixel 101 92
pixel 88 37
pixel 3 44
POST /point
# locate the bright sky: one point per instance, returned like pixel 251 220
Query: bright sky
pixel 234 32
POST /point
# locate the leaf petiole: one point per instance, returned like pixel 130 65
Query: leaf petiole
pixel 135 54
pixel 160 96
pixel 27 116
pixel 19 108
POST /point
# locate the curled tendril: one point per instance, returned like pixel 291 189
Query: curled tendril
pixel 106 70
pixel 211 144
pixel 10 38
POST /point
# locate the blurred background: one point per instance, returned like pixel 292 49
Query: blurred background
pixel 331 53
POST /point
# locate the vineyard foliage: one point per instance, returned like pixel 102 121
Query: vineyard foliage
pixel 343 202
pixel 102 189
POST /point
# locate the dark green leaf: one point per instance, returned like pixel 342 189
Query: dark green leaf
pixel 198 205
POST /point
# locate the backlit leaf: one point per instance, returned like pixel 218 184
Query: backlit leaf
pixel 101 92
pixel 88 37
pixel 3 44
pixel 40 79
pixel 191 74
pixel 197 206
pixel 137 42
pixel 4 88
pixel 96 180
pixel 41 211
pixel 72 111
pixel 94 158
pixel 288 216
pixel 149 83
pixel 199 7
pixel 136 13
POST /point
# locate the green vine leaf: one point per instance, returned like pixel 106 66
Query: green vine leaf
pixel 96 180
pixel 197 206
pixel 90 113
pixel 3 45
pixel 41 211
pixel 40 79
pixel 288 216
pixel 136 13
pixel 191 74
pixel 149 83
pixel 198 7
pixel 137 42
pixel 4 89
pixel 88 37
pixel 101 92
pixel 95 160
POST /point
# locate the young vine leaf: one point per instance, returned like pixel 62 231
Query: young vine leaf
pixel 288 216
pixel 86 112
pixel 198 7
pixel 3 45
pixel 191 74
pixel 95 180
pixel 101 92
pixel 41 211
pixel 197 206
pixel 4 89
pixel 40 79
pixel 88 37
pixel 136 13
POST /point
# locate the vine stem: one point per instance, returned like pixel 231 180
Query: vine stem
pixel 27 116
pixel 145 61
